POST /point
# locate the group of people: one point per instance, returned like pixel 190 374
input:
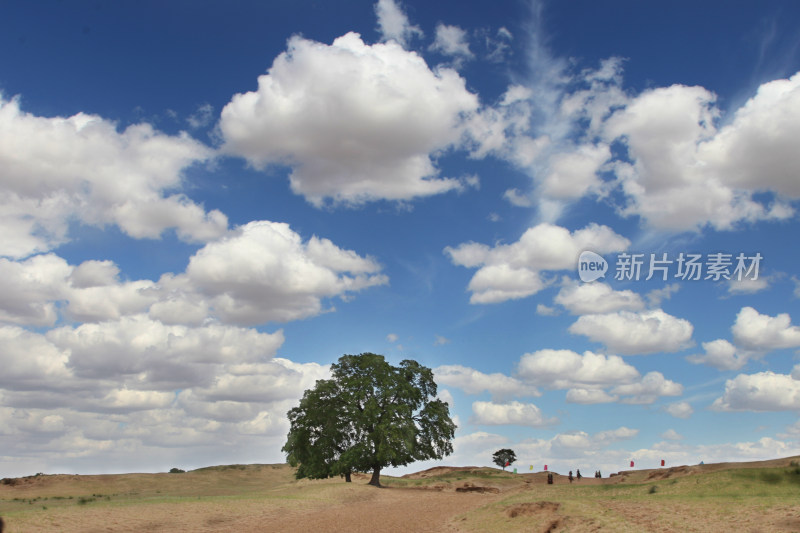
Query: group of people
pixel 579 475
pixel 597 474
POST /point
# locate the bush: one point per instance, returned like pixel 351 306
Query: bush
pixel 652 490
pixel 176 471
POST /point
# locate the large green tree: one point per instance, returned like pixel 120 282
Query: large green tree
pixel 368 416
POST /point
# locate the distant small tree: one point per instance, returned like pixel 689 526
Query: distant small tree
pixel 370 415
pixel 504 457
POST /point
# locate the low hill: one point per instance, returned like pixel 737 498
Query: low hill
pixel 755 496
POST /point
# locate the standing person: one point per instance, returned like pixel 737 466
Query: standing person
pixel 1 525
pixel 579 474
pixel 570 476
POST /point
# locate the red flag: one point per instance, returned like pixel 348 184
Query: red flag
pixel 545 468
pixel 507 463
pixel 662 462
pixel 631 464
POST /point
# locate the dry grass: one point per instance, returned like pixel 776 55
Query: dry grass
pixel 746 497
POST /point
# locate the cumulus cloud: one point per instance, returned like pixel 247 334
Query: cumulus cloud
pixel 574 174
pixel 81 168
pixel 764 391
pixel 755 331
pixel 686 173
pixel 512 271
pixel 140 386
pixel 590 396
pixel 573 444
pixel 264 271
pixel 632 333
pixel 173 356
pixel 720 354
pixel 473 381
pixel 587 376
pixel 596 298
pixel 511 413
pixel 565 369
pixel 680 409
pixel 260 272
pixel 686 165
pixel 652 386
pixel 393 23
pixel 356 122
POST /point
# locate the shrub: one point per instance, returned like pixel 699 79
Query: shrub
pixel 176 471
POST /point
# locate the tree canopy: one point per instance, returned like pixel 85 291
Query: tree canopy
pixel 368 416
pixel 504 457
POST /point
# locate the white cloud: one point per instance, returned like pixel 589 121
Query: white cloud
pixel 355 122
pixel 512 413
pixel 106 394
pixel 586 376
pixel 498 47
pixel 30 362
pixel 764 391
pixel 574 174
pixel 590 396
pixel 632 333
pixel 565 369
pixel 572 445
pixel 656 296
pixel 202 117
pixel 680 409
pixel 451 41
pixel 391 337
pixel 720 354
pixel 687 174
pixel 473 381
pixel 30 289
pixel 264 271
pixel 755 331
pixel 516 198
pixel 56 170
pixel 393 22
pixel 652 386
pixel 756 150
pixel 671 434
pixel 545 310
pixel 748 285
pixel 512 271
pixel 596 298
pixel 173 356
pixel 259 272
pixel 440 340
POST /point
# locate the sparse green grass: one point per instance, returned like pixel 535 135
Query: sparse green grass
pixel 626 505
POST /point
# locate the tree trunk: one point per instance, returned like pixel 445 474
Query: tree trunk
pixel 347 477
pixel 376 477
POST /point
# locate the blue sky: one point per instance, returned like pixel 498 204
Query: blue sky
pixel 204 205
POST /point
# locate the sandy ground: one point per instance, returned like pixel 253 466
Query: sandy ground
pixel 363 509
pixel 267 499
